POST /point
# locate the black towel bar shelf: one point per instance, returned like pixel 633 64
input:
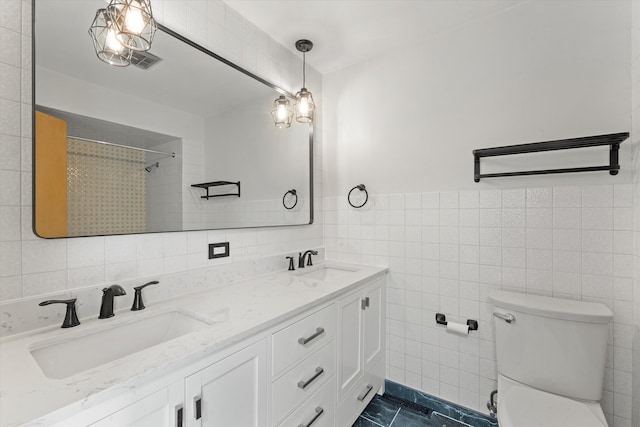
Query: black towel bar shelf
pixel 208 185
pixel 613 140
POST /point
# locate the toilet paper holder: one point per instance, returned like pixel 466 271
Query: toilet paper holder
pixel 441 319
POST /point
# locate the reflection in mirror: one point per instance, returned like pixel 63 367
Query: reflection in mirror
pixel 125 150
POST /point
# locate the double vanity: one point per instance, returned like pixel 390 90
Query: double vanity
pixel 291 348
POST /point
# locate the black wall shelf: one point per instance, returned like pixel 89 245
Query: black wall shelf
pixel 208 185
pixel 613 140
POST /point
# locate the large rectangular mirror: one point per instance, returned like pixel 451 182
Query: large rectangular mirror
pixel 184 140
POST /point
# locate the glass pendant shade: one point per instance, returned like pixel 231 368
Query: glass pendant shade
pixel 282 113
pixel 106 42
pixel 304 106
pixel 134 23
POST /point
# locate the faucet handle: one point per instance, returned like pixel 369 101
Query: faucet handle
pixel 291 267
pixel 71 317
pixel 138 304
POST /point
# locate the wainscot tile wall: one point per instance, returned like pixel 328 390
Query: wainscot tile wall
pixel 30 266
pixel 447 251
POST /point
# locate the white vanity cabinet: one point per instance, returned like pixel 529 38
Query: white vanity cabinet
pixel 360 349
pixel 162 408
pixel 317 369
pixel 232 392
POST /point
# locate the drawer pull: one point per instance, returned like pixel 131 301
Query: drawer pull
pixel 365 393
pixel 304 384
pixel 198 407
pixel 319 412
pixel 304 341
pixel 179 416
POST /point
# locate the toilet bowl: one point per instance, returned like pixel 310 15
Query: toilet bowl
pixel 551 357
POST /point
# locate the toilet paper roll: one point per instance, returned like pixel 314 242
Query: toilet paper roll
pixel 457 328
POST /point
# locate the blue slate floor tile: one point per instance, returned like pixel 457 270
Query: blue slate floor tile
pixel 404 407
pixel 408 418
pixel 363 422
pixel 381 411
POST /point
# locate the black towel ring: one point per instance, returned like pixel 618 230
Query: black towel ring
pixel 295 194
pixel 360 187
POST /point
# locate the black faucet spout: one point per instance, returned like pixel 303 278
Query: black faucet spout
pixel 106 308
pixel 302 256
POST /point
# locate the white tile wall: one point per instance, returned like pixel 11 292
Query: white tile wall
pixel 446 251
pixel 30 266
pixel 634 289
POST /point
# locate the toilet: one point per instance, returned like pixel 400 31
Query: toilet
pixel 551 356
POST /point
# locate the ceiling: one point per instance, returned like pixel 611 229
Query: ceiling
pixel 345 32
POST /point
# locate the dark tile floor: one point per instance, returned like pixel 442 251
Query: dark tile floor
pixel 387 412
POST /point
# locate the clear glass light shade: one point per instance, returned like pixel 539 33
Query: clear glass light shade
pixel 106 43
pixel 282 113
pixel 304 106
pixel 134 22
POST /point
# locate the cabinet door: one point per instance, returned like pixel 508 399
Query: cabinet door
pixel 373 323
pixel 160 409
pixel 350 366
pixel 231 392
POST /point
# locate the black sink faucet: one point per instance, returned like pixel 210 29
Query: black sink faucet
pixel 302 256
pixel 71 318
pixel 106 309
pixel 138 304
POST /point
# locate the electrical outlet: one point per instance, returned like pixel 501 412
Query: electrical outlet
pixel 218 250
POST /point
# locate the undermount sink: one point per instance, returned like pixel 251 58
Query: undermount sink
pixel 329 273
pixel 81 350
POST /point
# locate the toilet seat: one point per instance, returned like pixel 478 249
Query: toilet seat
pixel 523 406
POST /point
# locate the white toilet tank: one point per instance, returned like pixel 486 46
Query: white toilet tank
pixel 555 345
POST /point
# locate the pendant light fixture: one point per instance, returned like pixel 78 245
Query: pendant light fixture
pixel 105 41
pixel 134 22
pixel 304 105
pixel 282 112
pixel 123 27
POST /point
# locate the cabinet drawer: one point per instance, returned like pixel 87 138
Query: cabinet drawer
pixel 318 411
pixel 358 397
pixel 296 341
pixel 303 380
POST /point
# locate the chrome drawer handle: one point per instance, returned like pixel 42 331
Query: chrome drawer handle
pixel 304 384
pixel 319 412
pixel 365 393
pixel 304 341
pixel 509 318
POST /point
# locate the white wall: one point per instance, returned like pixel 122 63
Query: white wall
pixel 540 71
pixel 31 267
pixel 405 125
pixel 635 105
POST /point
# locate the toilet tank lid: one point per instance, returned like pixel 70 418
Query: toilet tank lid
pixel 557 308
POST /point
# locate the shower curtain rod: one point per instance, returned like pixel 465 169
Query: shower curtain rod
pixel 122 146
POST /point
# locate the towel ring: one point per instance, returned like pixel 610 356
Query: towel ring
pixel 360 187
pixel 295 194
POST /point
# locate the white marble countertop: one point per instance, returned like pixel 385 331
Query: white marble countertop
pixel 240 310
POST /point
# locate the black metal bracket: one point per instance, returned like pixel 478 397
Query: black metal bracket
pixel 613 140
pixel 208 185
pixel 441 319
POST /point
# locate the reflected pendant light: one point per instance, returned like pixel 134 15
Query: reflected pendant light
pixel 282 112
pixel 105 41
pixel 134 22
pixel 304 105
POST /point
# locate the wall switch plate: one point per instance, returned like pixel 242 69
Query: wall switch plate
pixel 218 250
